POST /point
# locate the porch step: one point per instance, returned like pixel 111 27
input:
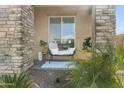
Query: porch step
pixel 58 65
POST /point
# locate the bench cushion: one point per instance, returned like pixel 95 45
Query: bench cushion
pixel 69 51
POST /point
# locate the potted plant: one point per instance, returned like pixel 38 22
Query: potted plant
pixel 44 46
pixel 87 44
pixel 44 49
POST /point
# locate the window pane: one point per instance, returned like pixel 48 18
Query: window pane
pixel 55 29
pixel 68 31
pixel 68 19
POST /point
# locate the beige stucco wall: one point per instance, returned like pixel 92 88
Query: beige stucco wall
pixel 83 22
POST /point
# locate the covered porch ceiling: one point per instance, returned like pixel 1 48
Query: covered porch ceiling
pixel 86 9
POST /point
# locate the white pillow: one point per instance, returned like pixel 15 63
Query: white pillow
pixel 53 45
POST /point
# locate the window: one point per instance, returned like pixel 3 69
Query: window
pixel 62 30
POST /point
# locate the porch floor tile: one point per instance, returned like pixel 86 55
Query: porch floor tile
pixel 61 65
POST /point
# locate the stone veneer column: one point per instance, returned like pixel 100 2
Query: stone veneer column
pixel 16 29
pixel 104 23
pixel 27 19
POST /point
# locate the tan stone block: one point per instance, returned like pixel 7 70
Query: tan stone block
pixel 4 6
pixel 2 22
pixel 3 42
pixel 17 64
pixel 101 6
pixel 17 58
pixel 5 67
pixel 97 17
pixel 11 22
pixel 3 29
pixel 10 32
pixel 7 71
pixel 10 35
pixel 100 21
pixel 18 34
pixel 100 27
pixel 105 17
pixel 16 45
pixel 19 61
pixel 3 14
pixel 11 29
pixel 3 19
pixel 2 34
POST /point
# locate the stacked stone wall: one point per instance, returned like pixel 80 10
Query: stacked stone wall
pixel 27 19
pixel 15 37
pixel 104 24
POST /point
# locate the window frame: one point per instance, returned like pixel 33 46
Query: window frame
pixel 62 27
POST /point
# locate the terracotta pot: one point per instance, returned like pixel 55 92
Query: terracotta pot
pixel 44 50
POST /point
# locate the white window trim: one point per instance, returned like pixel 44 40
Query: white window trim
pixel 61 27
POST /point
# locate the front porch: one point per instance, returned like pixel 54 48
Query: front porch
pixel 22 28
pixel 65 26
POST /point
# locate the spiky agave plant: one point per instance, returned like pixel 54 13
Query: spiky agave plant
pixel 15 81
pixel 81 76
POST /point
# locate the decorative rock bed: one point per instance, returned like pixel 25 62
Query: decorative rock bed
pixel 48 78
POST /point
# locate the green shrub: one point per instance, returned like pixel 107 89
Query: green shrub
pixel 100 71
pixel 119 57
pixel 15 81
pixel 89 74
